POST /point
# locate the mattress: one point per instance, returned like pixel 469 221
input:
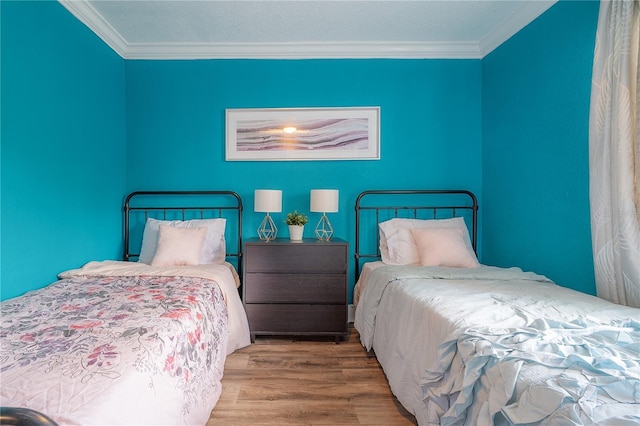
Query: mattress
pixel 122 343
pixel 447 339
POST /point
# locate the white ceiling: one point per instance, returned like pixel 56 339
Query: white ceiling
pixel 185 29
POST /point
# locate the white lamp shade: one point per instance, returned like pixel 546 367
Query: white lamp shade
pixel 324 200
pixel 267 200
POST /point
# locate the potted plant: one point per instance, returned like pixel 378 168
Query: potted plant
pixel 296 222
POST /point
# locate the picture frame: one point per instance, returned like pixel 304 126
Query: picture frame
pixel 298 134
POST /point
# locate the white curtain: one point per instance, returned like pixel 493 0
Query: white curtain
pixel 614 153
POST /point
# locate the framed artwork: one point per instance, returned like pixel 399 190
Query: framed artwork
pixel 280 134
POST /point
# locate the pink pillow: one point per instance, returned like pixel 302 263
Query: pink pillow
pixel 443 247
pixel 178 246
pixel 397 246
pixel 213 247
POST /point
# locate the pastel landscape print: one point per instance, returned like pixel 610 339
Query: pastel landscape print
pixel 347 133
pixel 321 134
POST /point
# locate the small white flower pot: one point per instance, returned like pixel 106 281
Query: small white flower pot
pixel 295 232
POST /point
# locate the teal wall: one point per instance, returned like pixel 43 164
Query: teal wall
pixel 536 92
pixel 62 145
pixel 430 128
pixel 81 128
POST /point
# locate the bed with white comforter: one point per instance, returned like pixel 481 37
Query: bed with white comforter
pixel 491 345
pixel 122 343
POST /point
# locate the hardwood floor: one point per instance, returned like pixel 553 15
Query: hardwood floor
pixel 287 381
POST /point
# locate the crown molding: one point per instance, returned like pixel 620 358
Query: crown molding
pixel 354 50
pixel 523 17
pixel 87 14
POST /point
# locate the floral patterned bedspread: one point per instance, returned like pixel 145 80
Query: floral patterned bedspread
pixel 115 350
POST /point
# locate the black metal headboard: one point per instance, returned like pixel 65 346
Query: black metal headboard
pixel 183 205
pixel 373 207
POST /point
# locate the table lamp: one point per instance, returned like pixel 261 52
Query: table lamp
pixel 267 201
pixel 325 201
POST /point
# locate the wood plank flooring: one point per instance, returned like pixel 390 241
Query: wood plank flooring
pixel 306 381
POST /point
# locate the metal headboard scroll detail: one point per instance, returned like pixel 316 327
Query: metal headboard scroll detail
pixel 431 204
pixel 197 204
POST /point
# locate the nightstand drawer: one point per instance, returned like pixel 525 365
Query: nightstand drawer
pixel 296 288
pixel 309 258
pixel 289 318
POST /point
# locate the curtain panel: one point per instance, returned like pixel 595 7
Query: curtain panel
pixel 614 153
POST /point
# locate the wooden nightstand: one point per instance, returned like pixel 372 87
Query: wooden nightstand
pixel 296 288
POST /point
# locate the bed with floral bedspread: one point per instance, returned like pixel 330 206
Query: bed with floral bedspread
pixel 134 345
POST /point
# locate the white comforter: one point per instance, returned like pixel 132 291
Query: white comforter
pixel 448 342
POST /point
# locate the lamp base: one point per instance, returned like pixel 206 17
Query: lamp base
pixel 267 230
pixel 324 230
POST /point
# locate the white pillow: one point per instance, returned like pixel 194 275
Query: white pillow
pixel 443 247
pixel 213 247
pixel 178 246
pixel 397 246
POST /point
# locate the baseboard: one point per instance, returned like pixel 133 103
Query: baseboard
pixel 351 313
